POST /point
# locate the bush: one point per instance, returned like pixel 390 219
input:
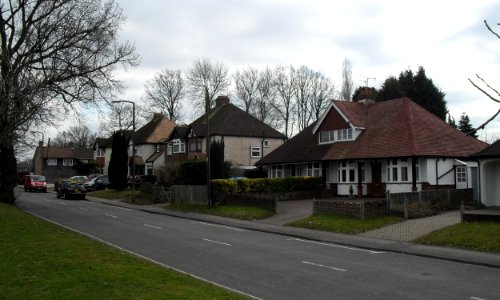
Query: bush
pixel 262 185
pixel 192 172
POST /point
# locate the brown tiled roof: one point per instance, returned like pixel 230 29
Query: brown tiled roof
pixel 229 120
pixel 103 142
pixel 490 152
pixel 155 131
pixel 395 128
pixel 64 152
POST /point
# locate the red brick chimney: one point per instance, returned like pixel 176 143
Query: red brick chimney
pixel 221 100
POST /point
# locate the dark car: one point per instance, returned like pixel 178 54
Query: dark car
pixel 97 183
pixel 35 183
pixel 71 190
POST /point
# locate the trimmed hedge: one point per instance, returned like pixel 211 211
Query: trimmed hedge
pixel 266 185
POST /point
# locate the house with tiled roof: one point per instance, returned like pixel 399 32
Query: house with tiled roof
pixel 489 174
pixel 60 162
pixel 246 139
pixel 149 146
pixel 372 147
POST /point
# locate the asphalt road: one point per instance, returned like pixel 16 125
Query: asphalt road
pixel 267 266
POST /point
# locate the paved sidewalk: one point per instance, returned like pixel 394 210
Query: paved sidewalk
pixel 289 211
pixel 411 229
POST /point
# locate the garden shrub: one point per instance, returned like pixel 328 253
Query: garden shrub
pixel 262 185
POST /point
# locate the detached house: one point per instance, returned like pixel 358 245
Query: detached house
pixel 369 148
pixel 246 139
pixel 489 166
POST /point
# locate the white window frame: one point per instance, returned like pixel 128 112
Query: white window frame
pixel 277 171
pixel 169 149
pixel 51 161
pixel 265 143
pixel 461 174
pixel 149 169
pixel 345 170
pixel 68 162
pixel 99 152
pixel 178 146
pixel 255 152
pixel 313 169
pixel 338 135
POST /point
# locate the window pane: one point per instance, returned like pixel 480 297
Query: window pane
pixel 394 174
pixel 344 175
pixel 351 175
pixel 349 133
pixel 404 173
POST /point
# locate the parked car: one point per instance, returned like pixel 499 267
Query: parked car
pixel 97 183
pixel 35 182
pixel 79 179
pixel 71 190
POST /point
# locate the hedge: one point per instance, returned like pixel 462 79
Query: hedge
pixel 262 185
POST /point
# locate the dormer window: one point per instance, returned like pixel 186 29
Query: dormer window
pixel 338 135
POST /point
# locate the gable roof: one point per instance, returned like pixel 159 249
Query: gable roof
pixel 395 128
pixel 491 151
pixel 155 131
pixel 229 120
pixel 66 152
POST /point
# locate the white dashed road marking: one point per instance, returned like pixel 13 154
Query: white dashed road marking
pixel 336 246
pixel 217 225
pixel 151 226
pixel 112 216
pixel 215 242
pixel 323 266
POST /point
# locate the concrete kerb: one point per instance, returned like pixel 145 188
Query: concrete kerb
pixel 362 242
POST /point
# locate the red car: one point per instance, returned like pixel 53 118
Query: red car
pixel 35 183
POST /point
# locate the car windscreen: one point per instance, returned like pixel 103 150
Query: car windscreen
pixel 38 178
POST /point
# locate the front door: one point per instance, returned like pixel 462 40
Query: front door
pixel 377 187
pixel 461 177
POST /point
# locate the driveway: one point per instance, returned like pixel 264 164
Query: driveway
pixel 289 211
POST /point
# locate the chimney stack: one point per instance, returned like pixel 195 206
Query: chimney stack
pixel 221 100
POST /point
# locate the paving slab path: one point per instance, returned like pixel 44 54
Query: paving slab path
pixel 411 229
pixel 289 211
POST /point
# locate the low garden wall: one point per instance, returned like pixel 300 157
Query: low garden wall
pixel 358 208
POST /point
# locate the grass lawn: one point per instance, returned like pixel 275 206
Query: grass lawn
pixel 230 211
pixel 39 260
pixel 479 236
pixel 342 224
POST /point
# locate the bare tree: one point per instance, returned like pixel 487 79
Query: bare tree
pixel 483 86
pixel 120 118
pixel 303 93
pixel 78 136
pixel 165 92
pixel 284 81
pixel 322 90
pixel 53 53
pixel 246 84
pixel 347 84
pixel 266 97
pixel 207 79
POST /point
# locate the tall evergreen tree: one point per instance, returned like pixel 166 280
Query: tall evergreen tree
pixel 118 164
pixel 391 89
pixel 419 88
pixel 465 126
pixel 218 168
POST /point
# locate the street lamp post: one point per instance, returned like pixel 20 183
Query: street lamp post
pixel 133 145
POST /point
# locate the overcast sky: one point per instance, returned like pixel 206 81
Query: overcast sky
pixel 380 38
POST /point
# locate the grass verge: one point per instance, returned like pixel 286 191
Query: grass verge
pixel 342 224
pixel 478 236
pixel 124 195
pixel 230 211
pixel 40 260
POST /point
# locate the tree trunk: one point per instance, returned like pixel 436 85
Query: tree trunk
pixel 8 173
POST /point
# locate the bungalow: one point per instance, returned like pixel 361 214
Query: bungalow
pixel 246 139
pixel 489 174
pixel 366 148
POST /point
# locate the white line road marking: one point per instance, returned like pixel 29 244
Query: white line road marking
pixel 147 258
pixel 215 242
pixel 123 208
pixel 112 216
pixel 477 298
pixel 222 226
pixel 147 225
pixel 336 246
pixel 63 203
pixel 82 208
pixel 323 266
